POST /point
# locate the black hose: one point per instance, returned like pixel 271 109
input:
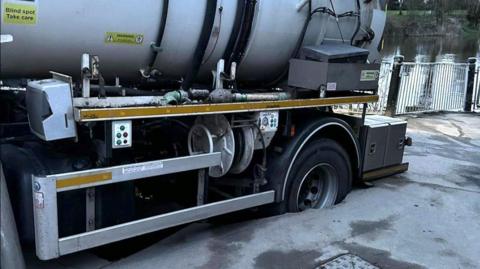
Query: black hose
pixel 101 84
pixel 359 23
pixel 208 23
pixel 336 19
pixel 261 169
pixel 237 29
pixel 243 36
pixel 209 56
pixel 161 32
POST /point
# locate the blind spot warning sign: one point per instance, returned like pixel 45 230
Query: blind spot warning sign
pixel 19 14
pixel 123 38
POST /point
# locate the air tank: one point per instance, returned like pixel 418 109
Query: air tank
pixel 179 39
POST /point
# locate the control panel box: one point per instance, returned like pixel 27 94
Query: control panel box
pixel 268 122
pixel 121 134
pixel 383 142
pixel 333 77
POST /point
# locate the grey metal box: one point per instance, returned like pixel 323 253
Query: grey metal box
pixel 383 140
pixel 313 75
pixel 50 109
pixel 335 52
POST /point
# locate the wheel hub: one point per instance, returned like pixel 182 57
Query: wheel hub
pixel 318 188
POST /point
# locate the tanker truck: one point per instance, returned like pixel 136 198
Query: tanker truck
pixel 123 118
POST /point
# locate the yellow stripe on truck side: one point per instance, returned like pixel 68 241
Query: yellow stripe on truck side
pixel 83 180
pixel 85 115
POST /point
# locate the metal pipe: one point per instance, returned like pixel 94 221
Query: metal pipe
pixel 218 75
pixel 86 74
pixel 251 97
pixel 170 98
pixel 226 96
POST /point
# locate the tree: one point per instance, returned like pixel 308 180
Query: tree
pixel 415 4
pixel 393 4
pixel 440 9
pixel 473 14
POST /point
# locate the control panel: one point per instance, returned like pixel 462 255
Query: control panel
pixel 268 121
pixel 121 134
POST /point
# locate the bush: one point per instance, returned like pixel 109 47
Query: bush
pixel 473 15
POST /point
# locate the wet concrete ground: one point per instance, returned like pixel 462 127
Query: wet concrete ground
pixel 428 217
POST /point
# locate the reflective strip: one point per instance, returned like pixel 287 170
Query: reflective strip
pixel 85 115
pixel 83 180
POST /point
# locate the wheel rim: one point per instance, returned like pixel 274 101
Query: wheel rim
pixel 318 188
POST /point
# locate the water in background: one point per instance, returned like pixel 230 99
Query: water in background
pixel 431 49
pixel 425 86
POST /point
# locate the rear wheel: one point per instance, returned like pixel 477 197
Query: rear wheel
pixel 320 177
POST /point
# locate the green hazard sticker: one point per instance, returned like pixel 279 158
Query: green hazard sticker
pixel 123 38
pixel 19 14
pixel 369 75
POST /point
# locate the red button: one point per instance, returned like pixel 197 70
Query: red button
pixel 125 134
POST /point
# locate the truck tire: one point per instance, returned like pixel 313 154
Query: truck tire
pixel 321 176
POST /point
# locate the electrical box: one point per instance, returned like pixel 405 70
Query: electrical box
pixel 383 142
pixel 333 67
pixel 50 109
pixel 121 134
pixel 334 77
pixel 268 122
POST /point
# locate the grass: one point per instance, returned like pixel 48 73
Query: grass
pixel 471 32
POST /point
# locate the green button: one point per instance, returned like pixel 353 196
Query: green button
pixel 119 135
pixel 122 128
pixel 119 142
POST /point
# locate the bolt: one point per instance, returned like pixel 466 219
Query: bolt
pixel 36 186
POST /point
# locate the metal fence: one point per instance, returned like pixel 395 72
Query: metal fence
pixel 383 90
pixel 429 87
pixel 424 87
pixel 477 87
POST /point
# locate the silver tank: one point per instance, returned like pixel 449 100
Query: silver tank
pixel 51 35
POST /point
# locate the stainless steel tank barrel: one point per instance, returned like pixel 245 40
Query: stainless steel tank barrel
pixel 179 38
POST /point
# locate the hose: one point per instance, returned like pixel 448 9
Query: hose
pixel 338 23
pixel 260 170
pixel 359 23
pixel 157 46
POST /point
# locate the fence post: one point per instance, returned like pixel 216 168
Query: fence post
pixel 472 64
pixel 395 81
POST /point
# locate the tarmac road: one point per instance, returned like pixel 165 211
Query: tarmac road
pixel 428 217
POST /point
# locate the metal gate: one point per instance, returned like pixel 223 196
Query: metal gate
pixel 424 87
pixel 383 89
pixel 476 87
pixel 430 87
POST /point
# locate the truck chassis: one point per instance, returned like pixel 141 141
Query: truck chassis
pixel 45 188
